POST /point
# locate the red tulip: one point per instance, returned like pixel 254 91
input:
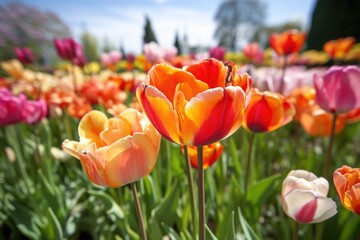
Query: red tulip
pixel 267 112
pixel 211 153
pixel 287 42
pixel 197 105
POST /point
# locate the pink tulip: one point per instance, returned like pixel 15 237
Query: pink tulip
pixel 253 52
pixel 10 107
pixel 25 55
pixel 33 111
pixel 68 48
pixel 337 91
pixel 153 52
pixel 217 53
pixel 304 197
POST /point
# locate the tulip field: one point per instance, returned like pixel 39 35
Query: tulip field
pixel 257 144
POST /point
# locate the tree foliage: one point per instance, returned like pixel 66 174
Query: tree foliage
pixel 333 19
pixel 233 14
pixel 149 35
pixel 25 26
pixel 90 46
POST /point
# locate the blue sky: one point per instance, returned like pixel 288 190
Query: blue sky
pixel 122 21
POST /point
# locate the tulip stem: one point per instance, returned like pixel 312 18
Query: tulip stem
pixel 248 165
pixel 296 231
pixel 201 193
pixel 282 79
pixel 138 211
pixel 72 67
pixel 191 190
pixel 328 154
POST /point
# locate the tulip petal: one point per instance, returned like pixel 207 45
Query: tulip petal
pixel 352 199
pixel 129 159
pixel 160 111
pixel 215 113
pixel 210 71
pixel 71 148
pixel 91 125
pixel 307 207
pixel 165 78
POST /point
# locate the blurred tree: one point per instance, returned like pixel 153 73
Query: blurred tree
pixel 235 16
pixel 333 19
pixel 149 35
pixel 107 46
pixel 25 26
pixel 90 46
pixel 177 43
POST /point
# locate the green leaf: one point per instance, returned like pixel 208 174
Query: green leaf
pixel 351 229
pixel 26 221
pixel 262 190
pixel 209 235
pixel 111 205
pixel 55 226
pixel 248 231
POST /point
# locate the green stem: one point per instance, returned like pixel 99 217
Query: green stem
pixel 283 71
pixel 201 193
pixel 328 153
pixel 191 191
pixel 248 165
pixel 73 77
pixel 296 231
pixel 138 211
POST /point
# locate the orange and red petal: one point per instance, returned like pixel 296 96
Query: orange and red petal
pixel 211 71
pixel 159 111
pixel 213 115
pixel 165 78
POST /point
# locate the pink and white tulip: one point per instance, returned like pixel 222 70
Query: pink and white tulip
pixel 304 197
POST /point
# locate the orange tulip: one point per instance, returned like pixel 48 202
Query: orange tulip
pixel 287 42
pixel 317 123
pixel 267 112
pixel 211 153
pixel 353 116
pixel 347 184
pixel 197 105
pixel 115 151
pixel 79 107
pixel 302 98
pixel 337 49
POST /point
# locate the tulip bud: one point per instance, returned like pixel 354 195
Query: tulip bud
pixel 304 197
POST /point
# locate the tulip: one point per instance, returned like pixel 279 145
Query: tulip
pixel 153 52
pixel 79 107
pixel 337 49
pixel 304 197
pixel 253 52
pixel 25 55
pixel 33 111
pixel 211 153
pixel 287 42
pixel 115 151
pixel 67 48
pixel 10 107
pixel 318 123
pixel 197 105
pixel 217 53
pixel 267 112
pixel 347 184
pixel 337 91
